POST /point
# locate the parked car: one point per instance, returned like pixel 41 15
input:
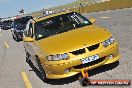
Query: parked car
pixel 61 45
pixel 18 26
pixel 5 25
pixel 0 25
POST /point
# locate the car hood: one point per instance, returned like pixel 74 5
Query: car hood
pixel 73 40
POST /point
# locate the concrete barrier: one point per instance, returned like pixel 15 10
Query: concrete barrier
pixel 108 5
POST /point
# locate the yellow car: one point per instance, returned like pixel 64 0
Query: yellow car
pixel 61 44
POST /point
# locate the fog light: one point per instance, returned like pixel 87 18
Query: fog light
pixel 67 70
pixel 111 56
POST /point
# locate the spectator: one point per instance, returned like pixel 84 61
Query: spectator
pixel 46 12
pixel 50 11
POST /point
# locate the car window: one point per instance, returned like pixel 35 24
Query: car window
pixel 21 21
pixel 59 24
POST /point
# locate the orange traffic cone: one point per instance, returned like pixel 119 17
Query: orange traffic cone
pixel 84 81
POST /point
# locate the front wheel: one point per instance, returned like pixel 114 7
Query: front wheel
pixel 13 36
pixel 41 70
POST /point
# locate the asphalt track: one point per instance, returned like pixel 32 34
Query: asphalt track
pixel 16 73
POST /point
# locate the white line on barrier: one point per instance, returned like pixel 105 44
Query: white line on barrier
pixel 105 17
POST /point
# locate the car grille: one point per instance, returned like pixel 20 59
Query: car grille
pixel 77 52
pixel 89 64
pixel 93 47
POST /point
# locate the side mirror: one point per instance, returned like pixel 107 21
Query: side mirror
pixel 92 20
pixel 28 39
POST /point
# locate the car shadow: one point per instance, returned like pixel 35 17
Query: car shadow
pixel 74 78
pixel 16 40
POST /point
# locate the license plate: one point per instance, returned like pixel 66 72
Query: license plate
pixel 90 59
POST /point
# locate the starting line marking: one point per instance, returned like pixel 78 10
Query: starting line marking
pixel 26 80
pixel 6 45
pixel 105 17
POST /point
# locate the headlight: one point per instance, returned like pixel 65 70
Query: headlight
pixel 108 41
pixel 57 57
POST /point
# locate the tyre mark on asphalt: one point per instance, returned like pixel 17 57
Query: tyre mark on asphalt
pixel 26 80
pixel 4 48
pixel 3 53
pixel 3 57
pixel 109 75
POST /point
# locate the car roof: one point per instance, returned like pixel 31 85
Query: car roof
pixel 50 15
pixel 24 17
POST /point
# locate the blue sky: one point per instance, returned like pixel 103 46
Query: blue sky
pixel 10 7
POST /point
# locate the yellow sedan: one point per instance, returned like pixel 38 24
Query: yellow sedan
pixel 61 44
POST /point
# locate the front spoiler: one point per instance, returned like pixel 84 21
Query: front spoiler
pixel 76 71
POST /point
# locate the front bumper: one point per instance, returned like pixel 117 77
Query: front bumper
pixel 74 67
pixel 19 35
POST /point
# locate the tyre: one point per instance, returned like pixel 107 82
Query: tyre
pixel 17 39
pixel 41 70
pixel 13 36
pixel 27 57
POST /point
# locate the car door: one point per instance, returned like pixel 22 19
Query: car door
pixel 30 47
pixel 29 33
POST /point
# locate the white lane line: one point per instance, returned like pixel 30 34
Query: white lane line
pixel 104 17
pixel 26 80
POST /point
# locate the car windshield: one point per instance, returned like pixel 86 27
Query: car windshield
pixel 20 22
pixel 59 24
